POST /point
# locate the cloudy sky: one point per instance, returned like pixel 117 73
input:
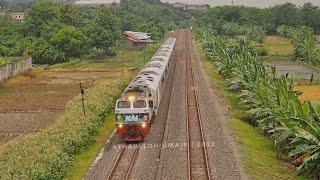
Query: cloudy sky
pixel 258 3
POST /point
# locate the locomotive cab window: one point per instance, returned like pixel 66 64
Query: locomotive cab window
pixel 140 104
pixel 123 104
pixel 151 104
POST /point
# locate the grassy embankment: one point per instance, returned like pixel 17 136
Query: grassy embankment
pixel 258 152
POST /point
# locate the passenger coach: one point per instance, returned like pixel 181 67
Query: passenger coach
pixel 141 99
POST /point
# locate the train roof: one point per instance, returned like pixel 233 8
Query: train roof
pixel 150 76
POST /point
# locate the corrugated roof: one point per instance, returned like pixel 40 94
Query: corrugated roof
pixel 138 36
pixel 94 2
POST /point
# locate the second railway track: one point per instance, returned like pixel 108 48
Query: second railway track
pixel 198 165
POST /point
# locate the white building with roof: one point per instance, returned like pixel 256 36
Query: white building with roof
pixel 136 40
pixel 96 3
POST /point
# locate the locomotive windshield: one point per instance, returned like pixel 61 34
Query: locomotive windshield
pixel 139 104
pixel 123 104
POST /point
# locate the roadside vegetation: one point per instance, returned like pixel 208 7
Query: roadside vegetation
pixel 270 102
pixel 3 61
pixel 257 151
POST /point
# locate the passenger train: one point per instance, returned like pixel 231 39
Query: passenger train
pixel 141 99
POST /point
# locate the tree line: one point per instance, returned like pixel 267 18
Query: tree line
pixel 300 24
pixel 269 19
pixel 55 32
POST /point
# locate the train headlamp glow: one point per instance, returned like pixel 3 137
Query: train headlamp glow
pixel 120 126
pixel 131 98
pixel 144 125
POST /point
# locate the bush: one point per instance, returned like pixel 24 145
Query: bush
pixel 306 48
pixel 3 61
pixel 49 153
pixel 261 51
pixel 256 33
pixel 287 31
pixel 232 29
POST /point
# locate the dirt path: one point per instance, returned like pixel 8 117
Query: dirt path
pixel 165 152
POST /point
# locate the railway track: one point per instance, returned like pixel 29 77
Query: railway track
pixel 122 167
pixel 198 166
pixel 168 108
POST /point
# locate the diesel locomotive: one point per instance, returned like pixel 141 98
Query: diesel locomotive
pixel 141 99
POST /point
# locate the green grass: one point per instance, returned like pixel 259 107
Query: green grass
pixel 257 152
pixel 278 46
pixel 3 61
pixel 84 160
pixel 279 49
pixel 124 60
pixel 277 58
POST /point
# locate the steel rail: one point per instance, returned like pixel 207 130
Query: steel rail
pixel 187 109
pixel 189 64
pixel 119 158
pixel 134 157
pixel 115 165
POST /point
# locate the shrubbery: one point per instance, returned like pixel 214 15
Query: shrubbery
pixel 3 61
pixel 287 31
pixel 261 51
pixel 256 33
pixel 306 48
pixel 49 153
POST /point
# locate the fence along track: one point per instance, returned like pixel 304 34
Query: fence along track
pixel 198 165
pixel 122 167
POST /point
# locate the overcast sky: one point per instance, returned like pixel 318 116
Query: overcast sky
pixel 258 3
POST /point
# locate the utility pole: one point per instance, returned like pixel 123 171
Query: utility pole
pixel 82 98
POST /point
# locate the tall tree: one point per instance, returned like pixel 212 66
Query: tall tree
pixel 70 41
pixel 310 15
pixel 72 15
pixel 287 14
pixel 99 37
pixel 107 20
pixel 40 14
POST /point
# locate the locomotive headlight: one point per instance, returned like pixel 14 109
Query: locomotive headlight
pixel 131 98
pixel 120 126
pixel 144 125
